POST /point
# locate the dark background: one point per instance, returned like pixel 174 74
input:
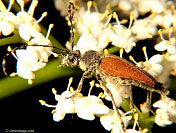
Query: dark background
pixel 23 111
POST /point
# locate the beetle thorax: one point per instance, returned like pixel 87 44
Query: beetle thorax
pixel 89 60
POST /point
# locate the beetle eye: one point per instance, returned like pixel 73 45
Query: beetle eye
pixel 71 58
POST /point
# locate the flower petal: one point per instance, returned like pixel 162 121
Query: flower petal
pixel 58 115
pixel 156 59
pixel 162 45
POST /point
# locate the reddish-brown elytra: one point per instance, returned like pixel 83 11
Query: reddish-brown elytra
pixel 124 72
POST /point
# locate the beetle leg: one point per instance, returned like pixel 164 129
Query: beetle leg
pixel 79 88
pixel 148 101
pixel 131 100
pixel 86 74
pixel 103 86
pixel 132 106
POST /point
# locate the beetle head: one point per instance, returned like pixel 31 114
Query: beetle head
pixel 72 58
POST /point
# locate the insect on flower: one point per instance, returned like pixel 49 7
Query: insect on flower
pixel 111 69
pixel 108 68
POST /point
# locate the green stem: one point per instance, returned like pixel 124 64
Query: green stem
pixel 113 49
pixel 172 83
pixel 12 85
pixel 145 121
pixel 15 38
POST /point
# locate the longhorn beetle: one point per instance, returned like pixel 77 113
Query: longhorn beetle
pixel 108 68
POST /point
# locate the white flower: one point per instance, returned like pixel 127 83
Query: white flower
pixel 63 106
pixel 6 22
pixel 167 104
pixel 157 6
pixel 6 28
pixel 172 58
pixel 41 52
pixel 162 118
pixel 145 6
pixel 26 23
pixel 88 107
pixel 165 19
pixel 166 114
pixel 26 30
pixel 169 45
pixel 91 22
pixel 34 57
pixel 93 29
pixel 27 63
pixel 121 37
pixel 58 114
pixel 119 92
pixel 121 42
pixel 89 42
pixel 153 65
pixel 28 26
pixel 110 121
pixel 142 28
pixel 125 5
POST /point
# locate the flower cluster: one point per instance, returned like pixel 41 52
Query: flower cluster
pixel 97 31
pixel 166 112
pixel 87 107
pixel 32 58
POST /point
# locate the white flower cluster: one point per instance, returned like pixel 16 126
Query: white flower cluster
pixel 87 107
pixel 91 106
pixel 32 58
pixel 166 112
pixel 97 31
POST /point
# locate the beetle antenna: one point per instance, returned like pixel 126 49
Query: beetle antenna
pixel 48 46
pixel 71 9
pixel 12 51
